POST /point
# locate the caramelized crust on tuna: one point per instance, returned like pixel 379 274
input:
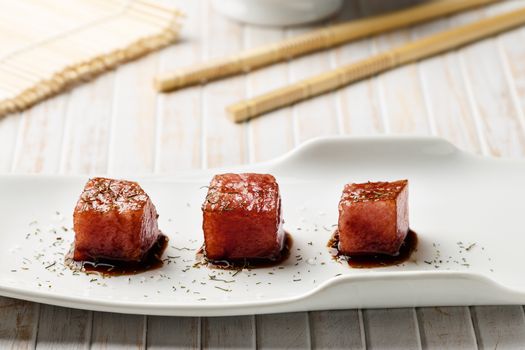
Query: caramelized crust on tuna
pixel 102 195
pixel 114 220
pixel 242 192
pixel 373 191
pixel 242 217
pixel 373 217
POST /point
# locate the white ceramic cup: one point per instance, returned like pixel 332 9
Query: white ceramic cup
pixel 277 12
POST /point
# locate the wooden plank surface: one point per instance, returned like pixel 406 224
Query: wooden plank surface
pixel 317 116
pixel 359 103
pixel 446 328
pixel 391 329
pixel 283 331
pixel 228 332
pixel 279 123
pixel 498 118
pixel 87 127
pixel 18 324
pixel 224 142
pixel 40 136
pixel 179 121
pixel 62 328
pixel 399 90
pixel 443 92
pixel 499 327
pixel 474 97
pixel 336 329
pixel 181 333
pixel 118 331
pixel 133 121
pixel 8 135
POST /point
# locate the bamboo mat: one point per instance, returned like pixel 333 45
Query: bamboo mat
pixel 48 46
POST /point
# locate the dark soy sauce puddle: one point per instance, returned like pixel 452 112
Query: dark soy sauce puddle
pixel 239 264
pixel 107 267
pixel 374 260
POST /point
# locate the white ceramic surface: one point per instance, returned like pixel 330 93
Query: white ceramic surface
pixel 457 201
pixel 277 12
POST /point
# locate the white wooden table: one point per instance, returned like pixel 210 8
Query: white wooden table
pixel 117 124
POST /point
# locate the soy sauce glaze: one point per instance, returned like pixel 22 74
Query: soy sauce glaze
pixel 152 260
pixel 374 260
pixel 238 264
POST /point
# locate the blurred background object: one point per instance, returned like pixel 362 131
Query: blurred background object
pixel 314 40
pixel 277 12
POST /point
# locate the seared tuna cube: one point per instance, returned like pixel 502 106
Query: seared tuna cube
pixel 242 217
pixel 373 218
pixel 114 220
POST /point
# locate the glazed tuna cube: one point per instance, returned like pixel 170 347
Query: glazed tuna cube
pixel 114 220
pixel 242 217
pixel 373 218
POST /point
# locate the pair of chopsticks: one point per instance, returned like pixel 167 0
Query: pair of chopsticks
pixel 336 35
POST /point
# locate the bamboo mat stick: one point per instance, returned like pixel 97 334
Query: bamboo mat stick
pixel 396 57
pixel 310 42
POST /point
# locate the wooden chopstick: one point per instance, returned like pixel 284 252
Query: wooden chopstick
pixel 310 42
pixel 396 57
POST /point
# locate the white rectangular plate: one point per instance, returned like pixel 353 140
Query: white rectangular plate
pixel 467 211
